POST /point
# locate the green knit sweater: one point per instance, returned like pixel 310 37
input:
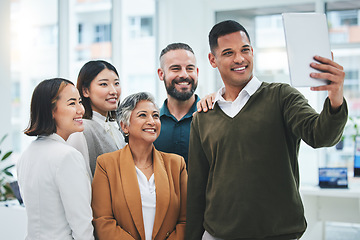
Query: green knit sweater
pixel 243 171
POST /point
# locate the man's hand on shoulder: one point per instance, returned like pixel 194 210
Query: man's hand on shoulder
pixel 206 103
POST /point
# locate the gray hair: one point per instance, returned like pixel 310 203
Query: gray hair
pixel 126 107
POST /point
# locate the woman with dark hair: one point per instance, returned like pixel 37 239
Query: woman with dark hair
pixel 99 86
pixel 139 192
pixel 52 176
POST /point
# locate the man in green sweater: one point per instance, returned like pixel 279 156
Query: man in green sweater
pixel 243 158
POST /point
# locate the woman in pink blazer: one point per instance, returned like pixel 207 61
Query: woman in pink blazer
pixel 139 192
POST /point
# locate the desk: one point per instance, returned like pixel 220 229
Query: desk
pixel 337 205
pixel 13 221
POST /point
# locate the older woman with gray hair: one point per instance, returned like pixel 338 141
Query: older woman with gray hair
pixel 139 192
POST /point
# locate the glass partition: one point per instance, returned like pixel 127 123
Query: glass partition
pixel 90 35
pixel 34 57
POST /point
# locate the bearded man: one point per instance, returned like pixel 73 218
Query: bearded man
pixel 180 75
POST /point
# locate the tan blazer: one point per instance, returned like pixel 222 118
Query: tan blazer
pixel 116 200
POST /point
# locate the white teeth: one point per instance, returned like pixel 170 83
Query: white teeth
pixel 184 83
pixel 78 119
pixel 149 130
pixel 239 69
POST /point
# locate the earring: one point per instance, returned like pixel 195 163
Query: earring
pixel 126 137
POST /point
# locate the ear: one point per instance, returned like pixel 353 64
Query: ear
pixel 85 92
pixel 212 60
pixel 160 74
pixel 124 128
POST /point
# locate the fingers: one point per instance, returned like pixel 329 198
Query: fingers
pixel 334 73
pixel 329 70
pixel 327 62
pixel 206 103
pixel 201 106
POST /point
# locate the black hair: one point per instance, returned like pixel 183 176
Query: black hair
pixel 176 46
pixel 86 75
pixel 223 28
pixel 43 103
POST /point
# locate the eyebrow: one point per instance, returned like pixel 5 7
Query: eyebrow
pixel 105 79
pixel 71 99
pixel 178 65
pixel 143 111
pixel 228 49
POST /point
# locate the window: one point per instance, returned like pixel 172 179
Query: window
pixel 102 33
pixel 80 33
pixel 344 32
pixel 140 27
pixel 34 55
pixel 344 26
pixel 90 32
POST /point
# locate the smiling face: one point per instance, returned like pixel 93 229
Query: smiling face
pixel 104 92
pixel 179 73
pixel 234 59
pixel 144 124
pixel 68 112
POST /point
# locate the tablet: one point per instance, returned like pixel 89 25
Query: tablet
pixel 306 35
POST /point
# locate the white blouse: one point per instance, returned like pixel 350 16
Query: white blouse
pixel 148 200
pixel 111 127
pixel 56 190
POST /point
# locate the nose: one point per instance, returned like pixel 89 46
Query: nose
pixel 151 121
pixel 183 73
pixel 239 58
pixel 80 109
pixel 112 89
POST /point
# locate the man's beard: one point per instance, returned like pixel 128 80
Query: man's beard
pixel 181 96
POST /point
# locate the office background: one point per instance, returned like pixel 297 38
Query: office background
pixel 49 38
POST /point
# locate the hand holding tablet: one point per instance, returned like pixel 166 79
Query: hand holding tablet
pixel 310 59
pixel 306 36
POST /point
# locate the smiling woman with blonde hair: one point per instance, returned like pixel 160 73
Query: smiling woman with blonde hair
pixel 139 192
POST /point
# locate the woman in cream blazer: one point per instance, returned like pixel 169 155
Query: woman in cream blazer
pixel 52 175
pixel 139 192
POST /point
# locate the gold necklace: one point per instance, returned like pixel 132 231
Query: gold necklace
pixel 145 167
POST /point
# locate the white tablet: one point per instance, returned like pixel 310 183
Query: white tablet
pixel 306 35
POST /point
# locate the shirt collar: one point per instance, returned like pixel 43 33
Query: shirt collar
pixel 97 117
pixel 251 87
pixel 53 136
pixel 165 110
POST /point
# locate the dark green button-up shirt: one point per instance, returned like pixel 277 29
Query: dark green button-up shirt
pixel 174 135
